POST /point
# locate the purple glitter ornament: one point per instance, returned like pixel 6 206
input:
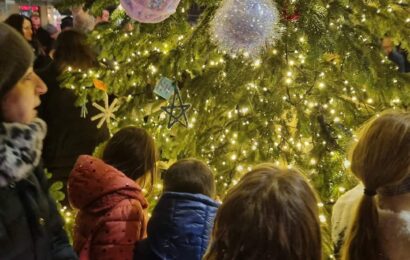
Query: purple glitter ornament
pixel 245 26
pixel 150 11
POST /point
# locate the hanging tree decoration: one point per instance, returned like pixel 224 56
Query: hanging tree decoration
pixel 177 110
pixel 245 26
pixel 150 11
pixel 107 112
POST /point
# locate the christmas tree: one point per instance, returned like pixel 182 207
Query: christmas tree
pixel 295 99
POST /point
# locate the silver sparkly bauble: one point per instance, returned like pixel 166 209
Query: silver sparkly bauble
pixel 245 26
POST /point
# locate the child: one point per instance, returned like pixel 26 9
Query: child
pixel 182 220
pixel 379 228
pixel 112 207
pixel 270 214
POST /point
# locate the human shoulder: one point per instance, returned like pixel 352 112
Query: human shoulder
pixel 128 209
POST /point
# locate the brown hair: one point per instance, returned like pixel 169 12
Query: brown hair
pixel 381 158
pixel 271 213
pixel 132 151
pixel 190 175
pixel 72 49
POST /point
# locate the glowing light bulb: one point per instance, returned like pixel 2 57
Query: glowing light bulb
pixel 257 63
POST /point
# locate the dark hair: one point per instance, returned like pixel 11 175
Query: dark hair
pixel 191 176
pixel 72 49
pixel 16 21
pixel 45 40
pixel 66 22
pixel 270 214
pixel 380 159
pixel 132 151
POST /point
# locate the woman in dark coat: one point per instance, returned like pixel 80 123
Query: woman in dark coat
pixel 69 134
pixel 30 225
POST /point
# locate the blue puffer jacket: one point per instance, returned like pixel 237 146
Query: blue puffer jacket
pixel 179 228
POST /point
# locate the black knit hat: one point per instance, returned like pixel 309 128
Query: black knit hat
pixel 16 56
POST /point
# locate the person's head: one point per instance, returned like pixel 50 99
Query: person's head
pixel 20 87
pixel 22 24
pixel 44 41
pixel 191 176
pixel 387 45
pixel 35 20
pixel 132 151
pixel 271 213
pixel 52 31
pixel 381 160
pixel 66 23
pixel 72 50
pixel 82 20
pixel 105 16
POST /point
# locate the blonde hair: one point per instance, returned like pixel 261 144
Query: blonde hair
pixel 271 214
pixel 380 159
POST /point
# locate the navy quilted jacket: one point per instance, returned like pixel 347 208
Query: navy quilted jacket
pixel 179 228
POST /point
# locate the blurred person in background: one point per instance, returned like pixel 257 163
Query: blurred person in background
pixel 23 25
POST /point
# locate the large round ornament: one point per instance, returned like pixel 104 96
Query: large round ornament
pixel 245 26
pixel 150 11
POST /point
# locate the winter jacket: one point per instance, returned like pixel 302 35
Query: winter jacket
pixel 69 134
pixel 394 227
pixel 179 228
pixel 30 226
pixel 112 211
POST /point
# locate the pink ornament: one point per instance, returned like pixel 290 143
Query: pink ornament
pixel 150 11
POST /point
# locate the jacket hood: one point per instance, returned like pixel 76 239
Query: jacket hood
pixel 95 186
pixel 181 224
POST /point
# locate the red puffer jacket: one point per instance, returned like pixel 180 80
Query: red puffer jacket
pixel 112 211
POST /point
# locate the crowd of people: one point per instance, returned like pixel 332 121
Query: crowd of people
pixel 272 213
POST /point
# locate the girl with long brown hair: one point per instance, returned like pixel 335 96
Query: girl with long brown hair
pixel 271 213
pixel 381 161
pixel 112 215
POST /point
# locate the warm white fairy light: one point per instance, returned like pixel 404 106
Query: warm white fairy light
pixel 322 85
pixel 313 161
pixel 257 63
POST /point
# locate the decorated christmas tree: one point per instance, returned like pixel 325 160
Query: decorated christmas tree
pixel 250 81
